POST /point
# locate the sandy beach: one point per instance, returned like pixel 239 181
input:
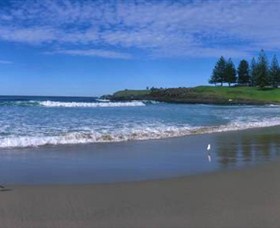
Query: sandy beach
pixel 242 189
pixel 242 198
pixel 139 114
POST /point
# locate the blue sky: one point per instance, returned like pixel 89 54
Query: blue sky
pixel 88 48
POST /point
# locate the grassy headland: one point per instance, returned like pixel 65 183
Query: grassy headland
pixel 203 95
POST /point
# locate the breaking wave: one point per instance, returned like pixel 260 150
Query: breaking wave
pixel 144 133
pixel 100 104
pixel 90 104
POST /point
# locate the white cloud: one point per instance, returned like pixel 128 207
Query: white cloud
pixel 93 52
pixel 158 28
pixel 5 62
pixel 34 35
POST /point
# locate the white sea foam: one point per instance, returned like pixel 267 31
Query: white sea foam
pixel 94 137
pixel 151 102
pixel 143 133
pixel 102 100
pixel 90 104
pixel 273 105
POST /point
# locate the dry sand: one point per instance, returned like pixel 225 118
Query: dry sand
pixel 244 198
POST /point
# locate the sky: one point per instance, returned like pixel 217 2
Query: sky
pixel 92 47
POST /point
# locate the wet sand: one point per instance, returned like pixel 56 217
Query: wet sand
pixel 240 198
pixel 138 160
pixel 247 197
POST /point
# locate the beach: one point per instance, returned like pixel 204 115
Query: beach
pixel 139 114
pixel 97 163
pixel 230 195
pixel 240 198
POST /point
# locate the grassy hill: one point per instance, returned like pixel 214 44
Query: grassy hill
pixel 204 94
pixel 242 93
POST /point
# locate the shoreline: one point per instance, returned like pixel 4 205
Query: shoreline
pixel 231 197
pixel 198 102
pixel 139 160
pixel 241 198
pixel 212 130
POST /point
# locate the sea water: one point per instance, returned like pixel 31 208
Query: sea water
pixel 48 140
pixel 41 121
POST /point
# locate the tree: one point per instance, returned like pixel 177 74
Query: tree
pixel 253 72
pixel 262 73
pixel 218 74
pixel 243 73
pixel 274 72
pixel 214 77
pixel 230 72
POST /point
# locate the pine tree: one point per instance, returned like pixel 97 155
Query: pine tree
pixel 253 72
pixel 262 73
pixel 218 74
pixel 230 72
pixel 214 77
pixel 274 72
pixel 243 73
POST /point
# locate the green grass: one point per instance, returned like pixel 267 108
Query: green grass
pixel 211 94
pixel 244 93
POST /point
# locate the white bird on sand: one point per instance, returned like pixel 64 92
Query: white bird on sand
pixel 209 155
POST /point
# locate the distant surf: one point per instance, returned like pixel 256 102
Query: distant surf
pixel 90 105
pixel 99 104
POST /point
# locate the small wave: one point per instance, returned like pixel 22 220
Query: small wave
pixel 48 103
pixel 273 105
pixel 19 103
pixel 120 135
pixel 93 137
pixel 90 104
pixel 151 102
pixel 102 100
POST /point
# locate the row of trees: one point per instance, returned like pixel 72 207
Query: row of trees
pixel 259 73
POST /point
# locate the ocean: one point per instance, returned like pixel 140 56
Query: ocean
pixel 74 140
pixel 41 121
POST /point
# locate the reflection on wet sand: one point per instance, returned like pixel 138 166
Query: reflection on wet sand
pixel 247 147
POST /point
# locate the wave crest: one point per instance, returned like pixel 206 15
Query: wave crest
pixel 127 135
pixel 54 104
pixel 90 105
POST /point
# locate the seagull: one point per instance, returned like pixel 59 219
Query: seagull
pixel 209 155
pixel 209 147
